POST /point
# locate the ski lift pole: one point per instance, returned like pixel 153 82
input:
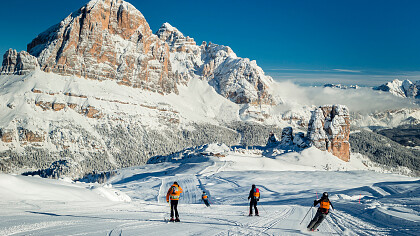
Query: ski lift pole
pixel 305 215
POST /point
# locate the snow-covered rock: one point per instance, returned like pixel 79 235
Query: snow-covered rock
pixel 287 136
pixel 238 79
pixel 18 63
pixel 272 140
pixel 329 130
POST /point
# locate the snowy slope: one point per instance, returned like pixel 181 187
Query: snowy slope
pixel 366 203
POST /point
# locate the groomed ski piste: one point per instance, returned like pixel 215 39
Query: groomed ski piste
pixel 132 202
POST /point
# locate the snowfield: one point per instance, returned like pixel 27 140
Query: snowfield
pixel 133 201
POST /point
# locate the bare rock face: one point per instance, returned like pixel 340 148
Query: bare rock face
pixel 29 136
pixel 21 63
pixel 329 130
pixel 106 39
pixel 238 79
pixel 6 135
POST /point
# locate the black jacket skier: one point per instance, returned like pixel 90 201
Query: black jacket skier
pixel 322 212
pixel 205 199
pixel 254 195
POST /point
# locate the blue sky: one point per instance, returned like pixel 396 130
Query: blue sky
pixel 304 39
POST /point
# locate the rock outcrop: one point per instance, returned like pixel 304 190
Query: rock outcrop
pixel 329 130
pixel 18 63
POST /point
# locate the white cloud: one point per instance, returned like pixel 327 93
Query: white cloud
pixel 321 78
pixel 346 70
pixel 363 100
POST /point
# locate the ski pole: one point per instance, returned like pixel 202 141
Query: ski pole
pixel 306 215
pixel 263 209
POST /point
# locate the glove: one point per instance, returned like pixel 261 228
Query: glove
pixel 314 202
pixel 248 198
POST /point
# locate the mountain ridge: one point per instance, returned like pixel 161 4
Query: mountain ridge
pixel 111 39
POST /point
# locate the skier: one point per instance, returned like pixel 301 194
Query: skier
pixel 321 213
pixel 254 195
pixel 173 193
pixel 205 198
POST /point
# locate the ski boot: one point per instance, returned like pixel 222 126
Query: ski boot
pixel 172 220
pixel 177 220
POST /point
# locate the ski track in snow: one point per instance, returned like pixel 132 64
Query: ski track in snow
pixel 284 203
pixel 380 190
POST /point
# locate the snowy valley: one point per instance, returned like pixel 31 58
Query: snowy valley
pixel 100 116
pixel 132 201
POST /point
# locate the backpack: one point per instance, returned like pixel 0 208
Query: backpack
pixel 174 189
pixel 257 194
pixel 324 205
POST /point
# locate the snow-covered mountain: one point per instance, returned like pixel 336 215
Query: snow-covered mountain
pixel 111 40
pixel 405 89
pixel 99 91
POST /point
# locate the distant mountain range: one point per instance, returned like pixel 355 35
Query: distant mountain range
pixel 405 89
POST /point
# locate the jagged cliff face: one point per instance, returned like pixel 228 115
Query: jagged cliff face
pixel 329 130
pixel 106 39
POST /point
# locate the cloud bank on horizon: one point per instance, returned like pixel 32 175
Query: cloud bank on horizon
pixel 309 77
pixel 364 99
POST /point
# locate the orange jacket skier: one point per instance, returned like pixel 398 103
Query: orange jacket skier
pixel 173 193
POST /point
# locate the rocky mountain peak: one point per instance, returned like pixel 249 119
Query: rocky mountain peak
pixel 111 40
pixel 106 39
pixel 175 39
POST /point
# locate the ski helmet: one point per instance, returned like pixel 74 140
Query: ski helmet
pixel 325 195
pixel 176 183
pixel 253 186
